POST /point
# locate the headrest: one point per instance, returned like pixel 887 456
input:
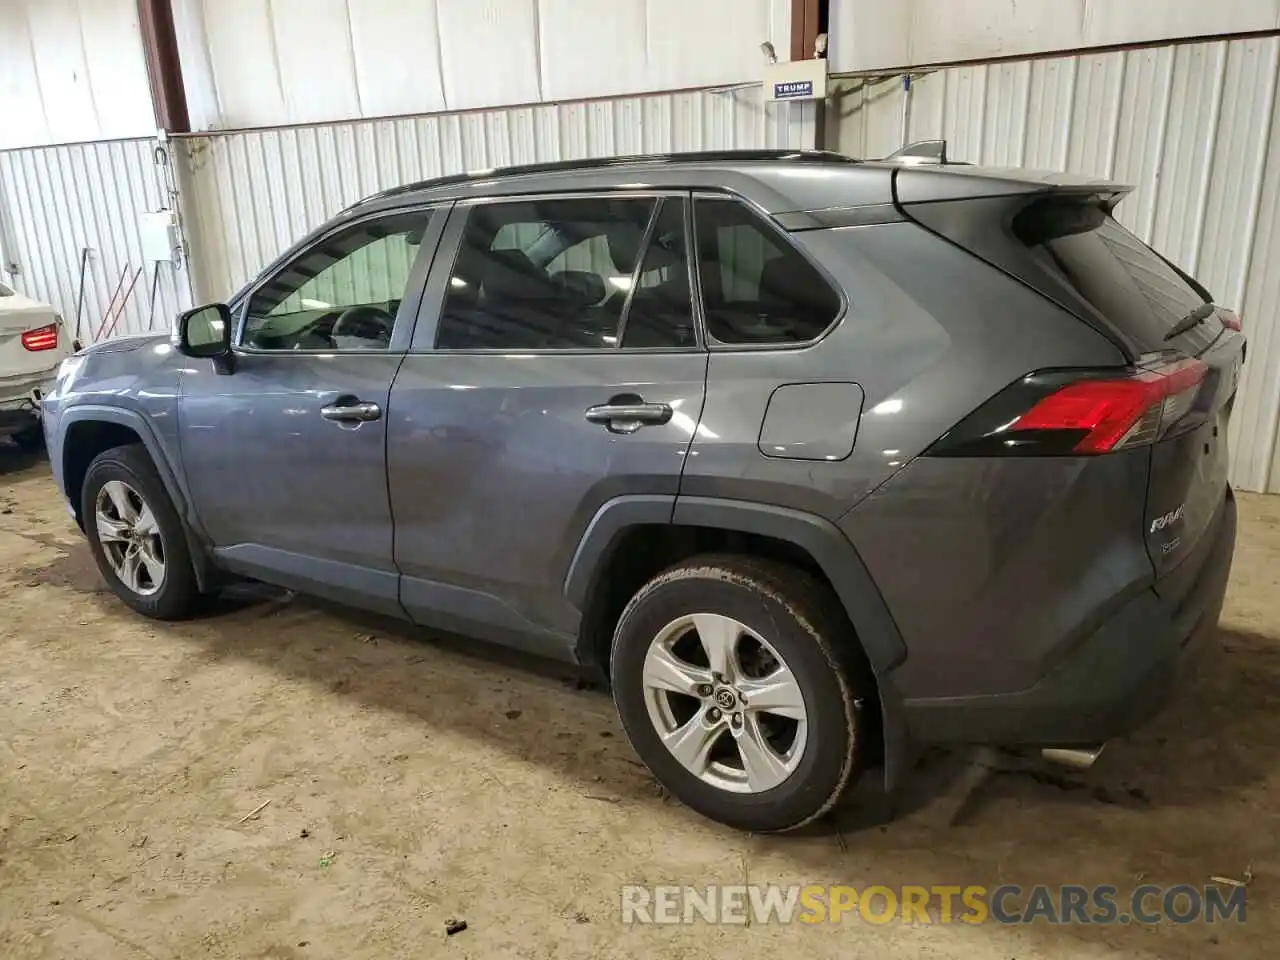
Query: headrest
pixel 624 238
pixel 665 248
pixel 786 291
pixel 779 284
pixel 579 286
pixel 510 274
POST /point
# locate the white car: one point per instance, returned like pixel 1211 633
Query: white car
pixel 33 342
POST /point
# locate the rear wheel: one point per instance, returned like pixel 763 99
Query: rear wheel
pixel 731 688
pixel 136 535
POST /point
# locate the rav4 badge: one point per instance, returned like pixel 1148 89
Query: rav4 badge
pixel 1173 516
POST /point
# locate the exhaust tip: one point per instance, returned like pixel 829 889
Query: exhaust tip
pixel 1077 758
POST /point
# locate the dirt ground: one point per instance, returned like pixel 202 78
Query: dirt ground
pixel 412 780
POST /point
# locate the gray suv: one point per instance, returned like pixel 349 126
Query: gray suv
pixel 816 460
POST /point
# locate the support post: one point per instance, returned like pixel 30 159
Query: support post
pixel 804 28
pixel 164 67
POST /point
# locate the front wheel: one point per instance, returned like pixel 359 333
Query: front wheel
pixel 136 536
pixel 731 685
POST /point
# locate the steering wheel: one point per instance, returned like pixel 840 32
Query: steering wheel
pixel 364 323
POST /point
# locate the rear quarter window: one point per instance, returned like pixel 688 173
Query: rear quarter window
pixel 756 287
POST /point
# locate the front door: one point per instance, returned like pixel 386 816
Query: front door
pixel 286 455
pixel 556 365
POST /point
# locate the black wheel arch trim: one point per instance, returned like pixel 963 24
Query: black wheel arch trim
pixel 819 537
pixel 604 531
pixel 169 475
pixel 832 551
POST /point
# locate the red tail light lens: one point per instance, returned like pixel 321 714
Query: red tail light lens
pixel 1059 413
pixel 1230 320
pixel 41 338
pixel 1118 413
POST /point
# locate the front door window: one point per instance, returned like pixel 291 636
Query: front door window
pixel 343 293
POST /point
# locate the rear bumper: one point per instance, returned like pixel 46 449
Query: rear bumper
pixel 1112 682
pixel 20 401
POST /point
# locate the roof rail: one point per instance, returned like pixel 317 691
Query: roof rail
pixel 604 163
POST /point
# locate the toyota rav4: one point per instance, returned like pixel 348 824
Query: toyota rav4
pixel 816 460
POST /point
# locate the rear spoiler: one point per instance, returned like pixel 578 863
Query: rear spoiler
pixel 923 172
pixel 930 182
pixel 927 184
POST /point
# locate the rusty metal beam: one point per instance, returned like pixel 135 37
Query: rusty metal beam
pixel 804 28
pixel 164 67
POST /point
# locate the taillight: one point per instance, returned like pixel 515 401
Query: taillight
pixel 1073 414
pixel 1230 320
pixel 41 338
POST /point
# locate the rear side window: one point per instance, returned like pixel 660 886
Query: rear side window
pixel 575 273
pixel 1126 281
pixel 756 287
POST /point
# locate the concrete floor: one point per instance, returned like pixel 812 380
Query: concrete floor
pixel 413 781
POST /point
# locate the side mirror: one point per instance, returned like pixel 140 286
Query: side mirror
pixel 204 331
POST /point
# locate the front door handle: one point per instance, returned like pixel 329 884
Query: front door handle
pixel 350 410
pixel 629 414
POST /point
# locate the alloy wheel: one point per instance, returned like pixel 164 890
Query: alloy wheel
pixel 130 537
pixel 724 703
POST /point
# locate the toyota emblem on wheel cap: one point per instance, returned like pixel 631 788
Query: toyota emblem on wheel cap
pixel 726 699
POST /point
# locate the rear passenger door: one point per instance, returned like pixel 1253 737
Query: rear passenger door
pixel 556 365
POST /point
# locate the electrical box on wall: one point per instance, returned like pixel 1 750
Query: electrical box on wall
pixel 796 80
pixel 160 238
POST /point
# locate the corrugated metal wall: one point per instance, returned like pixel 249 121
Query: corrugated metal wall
pixel 1195 127
pixel 55 201
pixel 249 195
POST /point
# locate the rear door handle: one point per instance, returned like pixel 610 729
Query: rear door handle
pixel 350 410
pixel 628 417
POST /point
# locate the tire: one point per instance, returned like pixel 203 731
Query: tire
pixel 799 621
pixel 30 439
pixel 173 594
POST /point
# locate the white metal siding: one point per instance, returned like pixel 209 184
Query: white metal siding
pixel 247 63
pixel 54 201
pixel 874 35
pixel 1195 127
pixel 250 195
pixel 71 70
